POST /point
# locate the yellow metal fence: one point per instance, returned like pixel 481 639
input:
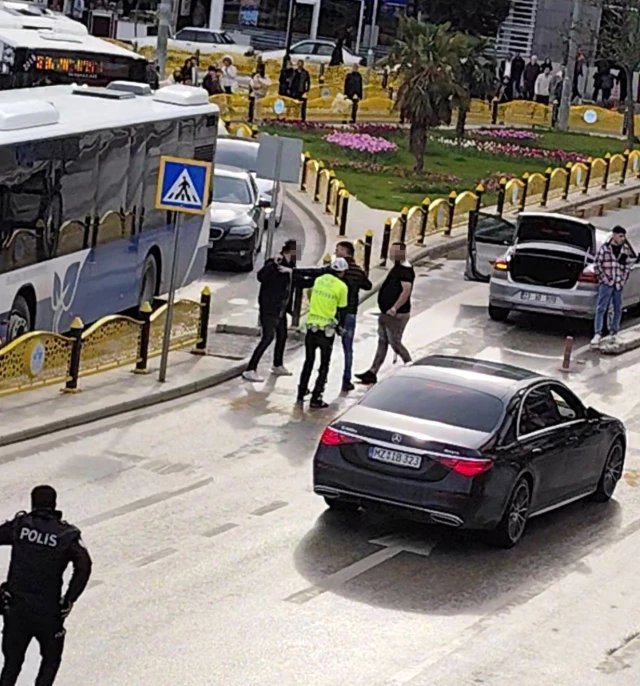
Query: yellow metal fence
pixel 41 358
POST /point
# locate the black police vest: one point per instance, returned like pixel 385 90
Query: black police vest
pixel 39 556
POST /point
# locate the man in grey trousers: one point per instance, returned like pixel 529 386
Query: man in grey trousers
pixel 394 301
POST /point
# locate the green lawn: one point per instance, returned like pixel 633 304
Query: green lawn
pixel 391 184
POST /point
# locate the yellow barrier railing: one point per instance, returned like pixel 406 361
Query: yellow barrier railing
pixel 41 358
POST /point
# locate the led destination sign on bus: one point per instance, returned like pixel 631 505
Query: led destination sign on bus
pixel 68 65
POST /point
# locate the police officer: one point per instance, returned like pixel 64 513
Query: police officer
pixel 42 545
pixel 329 297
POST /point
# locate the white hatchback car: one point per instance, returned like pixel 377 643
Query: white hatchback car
pixel 205 41
pixel 312 51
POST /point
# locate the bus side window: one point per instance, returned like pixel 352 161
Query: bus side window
pixel 19 246
pixel 113 167
pixel 135 179
pixel 162 139
pixel 185 138
pixel 78 182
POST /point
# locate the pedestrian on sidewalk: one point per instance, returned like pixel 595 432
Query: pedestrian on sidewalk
pixel 276 284
pixel 356 281
pixel 394 301
pixel 329 298
pixel 543 87
pixel 612 268
pixel 31 600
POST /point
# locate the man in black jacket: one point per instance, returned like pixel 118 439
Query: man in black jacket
pixel 300 82
pixel 276 281
pixel 356 281
pixel 42 545
pixel 353 84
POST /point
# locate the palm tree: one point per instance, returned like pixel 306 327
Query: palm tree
pixel 477 76
pixel 428 61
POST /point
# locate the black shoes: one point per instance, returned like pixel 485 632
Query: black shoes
pixel 347 386
pixel 318 404
pixel 367 378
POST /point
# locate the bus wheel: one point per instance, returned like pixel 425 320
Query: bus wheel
pixel 149 281
pixel 19 319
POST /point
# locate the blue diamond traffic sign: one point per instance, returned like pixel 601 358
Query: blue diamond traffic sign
pixel 183 185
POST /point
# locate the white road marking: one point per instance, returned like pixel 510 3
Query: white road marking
pixel 238 301
pixel 392 546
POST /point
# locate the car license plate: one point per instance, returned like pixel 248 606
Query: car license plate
pixel 538 297
pixel 395 457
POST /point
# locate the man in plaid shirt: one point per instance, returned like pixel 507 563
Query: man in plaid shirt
pixel 612 268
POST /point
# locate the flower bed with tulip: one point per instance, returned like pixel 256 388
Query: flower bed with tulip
pixel 380 171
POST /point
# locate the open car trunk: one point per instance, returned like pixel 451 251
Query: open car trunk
pixel 547 266
pixel 551 250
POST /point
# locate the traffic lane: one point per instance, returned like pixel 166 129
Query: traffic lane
pixel 235 294
pixel 209 546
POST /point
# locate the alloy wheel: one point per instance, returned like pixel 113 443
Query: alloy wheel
pixel 518 512
pixel 613 469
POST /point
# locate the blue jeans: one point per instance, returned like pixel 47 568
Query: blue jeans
pixel 606 296
pixel 348 334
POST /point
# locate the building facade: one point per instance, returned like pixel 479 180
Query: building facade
pixel 541 27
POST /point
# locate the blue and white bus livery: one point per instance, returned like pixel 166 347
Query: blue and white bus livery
pixel 79 232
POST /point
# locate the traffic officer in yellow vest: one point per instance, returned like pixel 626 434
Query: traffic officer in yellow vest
pixel 329 295
pixel 31 600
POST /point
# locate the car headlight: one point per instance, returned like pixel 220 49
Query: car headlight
pixel 242 231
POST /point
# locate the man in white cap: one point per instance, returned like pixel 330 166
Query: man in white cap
pixel 328 297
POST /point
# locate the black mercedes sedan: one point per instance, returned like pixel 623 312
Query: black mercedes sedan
pixel 469 444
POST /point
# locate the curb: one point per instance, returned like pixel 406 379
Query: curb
pixel 320 226
pixel 128 406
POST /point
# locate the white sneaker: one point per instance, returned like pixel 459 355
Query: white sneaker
pixel 280 371
pixel 252 376
pixel 595 341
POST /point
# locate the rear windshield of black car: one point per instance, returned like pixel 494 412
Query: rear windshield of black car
pixel 241 156
pixel 436 402
pixel 552 230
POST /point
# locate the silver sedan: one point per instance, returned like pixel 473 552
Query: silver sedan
pixel 544 263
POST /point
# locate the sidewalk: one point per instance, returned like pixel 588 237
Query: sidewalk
pixel 45 411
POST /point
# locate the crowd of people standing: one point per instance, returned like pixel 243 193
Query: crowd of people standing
pixel 532 80
pixel 333 311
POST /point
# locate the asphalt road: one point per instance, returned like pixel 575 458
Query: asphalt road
pixel 215 565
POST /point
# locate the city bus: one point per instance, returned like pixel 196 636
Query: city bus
pixel 79 231
pixel 41 48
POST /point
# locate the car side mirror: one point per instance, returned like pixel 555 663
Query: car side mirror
pixel 264 203
pixel 593 415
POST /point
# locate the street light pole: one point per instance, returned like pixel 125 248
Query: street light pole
pixel 289 35
pixel 164 30
pixel 567 85
pixel 374 23
pixel 360 23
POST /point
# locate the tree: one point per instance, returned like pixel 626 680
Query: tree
pixel 619 43
pixel 475 17
pixel 428 61
pixel 477 76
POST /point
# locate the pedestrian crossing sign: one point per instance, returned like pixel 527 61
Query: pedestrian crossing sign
pixel 183 185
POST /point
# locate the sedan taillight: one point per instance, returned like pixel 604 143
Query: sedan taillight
pixel 332 437
pixel 466 467
pixel 587 277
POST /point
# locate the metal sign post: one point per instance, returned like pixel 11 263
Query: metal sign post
pixel 272 217
pixel 183 188
pixel 166 340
